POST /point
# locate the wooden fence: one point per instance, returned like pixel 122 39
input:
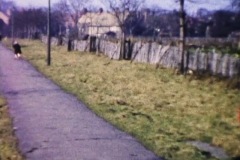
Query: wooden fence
pixel 165 55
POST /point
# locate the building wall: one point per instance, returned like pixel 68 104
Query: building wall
pixel 100 30
pixel 96 24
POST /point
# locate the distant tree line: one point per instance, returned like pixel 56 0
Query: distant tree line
pixel 153 23
pixel 204 23
pixel 30 23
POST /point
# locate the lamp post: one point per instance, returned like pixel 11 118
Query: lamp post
pixel 49 35
pixel 12 19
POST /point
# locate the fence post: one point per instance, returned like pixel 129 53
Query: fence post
pixel 127 48
pixel 69 48
pixel 93 44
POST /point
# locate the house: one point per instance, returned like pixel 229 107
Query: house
pixel 4 18
pixel 4 23
pixel 234 34
pixel 99 23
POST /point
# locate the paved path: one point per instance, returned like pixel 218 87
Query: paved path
pixel 53 125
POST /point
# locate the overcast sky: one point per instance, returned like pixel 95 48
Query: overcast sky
pixel 165 4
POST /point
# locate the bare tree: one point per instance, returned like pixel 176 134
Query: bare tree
pixel 236 4
pixel 28 22
pixel 121 9
pixel 71 10
pixel 76 7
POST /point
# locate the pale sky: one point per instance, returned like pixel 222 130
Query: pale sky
pixel 165 4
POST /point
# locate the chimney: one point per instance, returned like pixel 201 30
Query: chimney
pixel 100 10
pixel 84 11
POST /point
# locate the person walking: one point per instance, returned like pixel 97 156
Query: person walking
pixel 17 49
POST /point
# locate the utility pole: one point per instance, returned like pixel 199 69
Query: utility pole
pixel 49 35
pixel 182 35
pixel 12 18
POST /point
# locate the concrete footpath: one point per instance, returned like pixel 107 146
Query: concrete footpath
pixel 53 125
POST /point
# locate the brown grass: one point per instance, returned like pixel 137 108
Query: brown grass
pixel 161 109
pixel 8 142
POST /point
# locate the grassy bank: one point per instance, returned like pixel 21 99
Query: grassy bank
pixel 8 143
pixel 161 109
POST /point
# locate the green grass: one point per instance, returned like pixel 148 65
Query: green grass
pixel 8 143
pixel 161 109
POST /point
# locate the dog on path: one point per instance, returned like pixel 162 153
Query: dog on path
pixel 17 49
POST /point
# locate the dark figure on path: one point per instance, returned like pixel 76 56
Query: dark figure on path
pixel 17 49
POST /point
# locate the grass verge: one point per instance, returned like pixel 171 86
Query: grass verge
pixel 161 109
pixel 8 143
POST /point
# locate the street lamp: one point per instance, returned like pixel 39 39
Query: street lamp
pixel 12 18
pixel 49 35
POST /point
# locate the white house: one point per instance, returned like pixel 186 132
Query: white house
pixel 97 24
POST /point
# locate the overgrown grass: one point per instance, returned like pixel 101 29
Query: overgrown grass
pixel 221 50
pixel 161 109
pixel 8 143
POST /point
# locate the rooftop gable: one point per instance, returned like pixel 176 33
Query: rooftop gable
pixel 99 19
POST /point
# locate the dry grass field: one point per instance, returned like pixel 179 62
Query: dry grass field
pixel 161 109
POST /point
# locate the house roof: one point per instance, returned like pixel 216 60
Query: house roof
pixel 99 19
pixel 4 18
